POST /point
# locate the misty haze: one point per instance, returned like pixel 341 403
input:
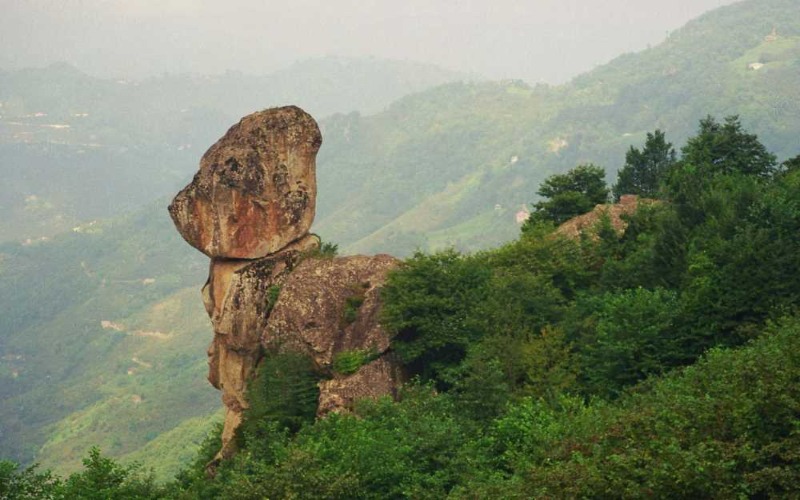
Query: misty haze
pixel 548 40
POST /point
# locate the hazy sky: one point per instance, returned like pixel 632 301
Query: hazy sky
pixel 550 40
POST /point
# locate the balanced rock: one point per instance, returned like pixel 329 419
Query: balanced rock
pixel 255 192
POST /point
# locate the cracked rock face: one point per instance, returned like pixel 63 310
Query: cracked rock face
pixel 239 296
pixel 331 307
pixel 310 315
pixel 255 191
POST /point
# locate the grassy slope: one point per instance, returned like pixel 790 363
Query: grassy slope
pixel 405 177
pixel 68 382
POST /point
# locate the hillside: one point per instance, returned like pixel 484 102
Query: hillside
pixel 642 349
pixel 111 351
pixel 445 167
pixel 451 166
pixel 74 148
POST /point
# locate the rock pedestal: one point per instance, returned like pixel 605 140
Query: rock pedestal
pixel 250 207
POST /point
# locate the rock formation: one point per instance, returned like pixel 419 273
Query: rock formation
pixel 628 204
pixel 250 208
pixel 255 191
pixel 342 296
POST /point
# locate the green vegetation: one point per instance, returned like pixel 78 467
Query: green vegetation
pixel 569 195
pixel 273 293
pixel 535 328
pixel 459 161
pixel 661 361
pixel 103 344
pixel 658 362
pixel 348 362
pixel 644 170
pixel 283 394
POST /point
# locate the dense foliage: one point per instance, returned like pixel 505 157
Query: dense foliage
pixel 645 169
pixel 658 361
pixel 570 194
pixel 553 366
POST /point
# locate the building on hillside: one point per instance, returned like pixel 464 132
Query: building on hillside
pixel 772 36
pixel 522 215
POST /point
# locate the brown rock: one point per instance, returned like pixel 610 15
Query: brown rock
pixel 330 306
pixel 255 191
pixel 249 208
pixel 241 312
pixel 628 204
pixel 380 377
pixel 311 313
pixel 239 297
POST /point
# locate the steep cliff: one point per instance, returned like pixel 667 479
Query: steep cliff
pixel 250 208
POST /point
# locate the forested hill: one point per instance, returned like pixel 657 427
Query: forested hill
pixel 75 148
pixel 643 349
pixel 448 166
pixel 451 166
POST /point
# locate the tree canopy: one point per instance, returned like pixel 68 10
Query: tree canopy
pixel 645 169
pixel 573 193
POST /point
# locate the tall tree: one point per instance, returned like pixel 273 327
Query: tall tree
pixel 645 169
pixel 727 148
pixel 568 195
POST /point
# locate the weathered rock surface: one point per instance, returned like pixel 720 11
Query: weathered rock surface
pixel 309 316
pixel 378 378
pixel 239 296
pixel 255 191
pixel 332 306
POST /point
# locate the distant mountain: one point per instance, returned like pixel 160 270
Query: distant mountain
pixel 451 166
pixel 446 166
pixel 74 148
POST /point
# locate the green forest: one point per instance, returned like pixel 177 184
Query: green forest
pixel 658 361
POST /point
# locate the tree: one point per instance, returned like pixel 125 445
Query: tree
pixel 26 483
pixel 717 151
pixel 631 339
pixel 792 164
pixel 645 169
pixel 569 195
pixel 103 478
pixel 428 305
pixel 726 148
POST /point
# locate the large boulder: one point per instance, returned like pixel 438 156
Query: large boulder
pixel 327 306
pixel 255 192
pixel 329 309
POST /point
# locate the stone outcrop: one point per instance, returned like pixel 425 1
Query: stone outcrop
pixel 330 307
pixel 250 208
pixel 628 204
pixel 313 301
pixel 255 191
